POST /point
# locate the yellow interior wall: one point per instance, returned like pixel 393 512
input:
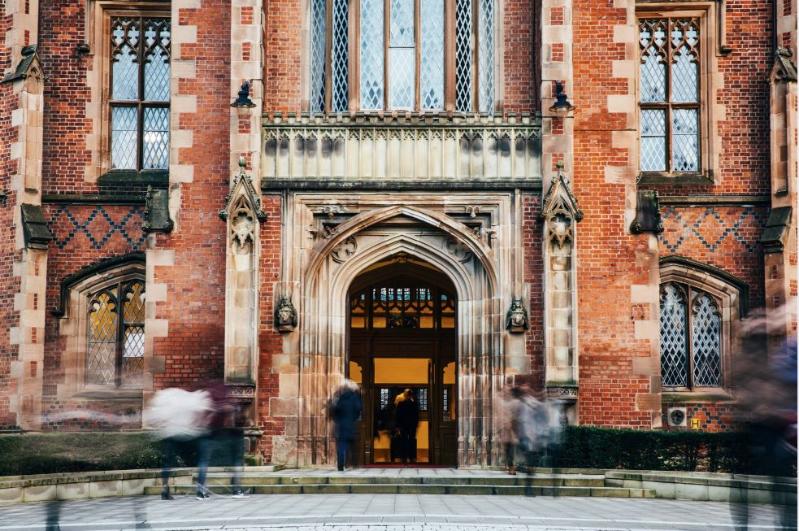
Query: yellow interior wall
pixel 401 370
pixel 356 375
pixel 449 373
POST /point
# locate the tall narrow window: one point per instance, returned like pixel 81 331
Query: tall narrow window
pixel 690 337
pixel 139 95
pixel 669 95
pixel 403 58
pixel 115 336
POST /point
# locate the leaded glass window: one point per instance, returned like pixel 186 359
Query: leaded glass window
pixel 690 337
pixel 139 92
pixel 402 306
pixel 405 60
pixel 669 86
pixel 115 335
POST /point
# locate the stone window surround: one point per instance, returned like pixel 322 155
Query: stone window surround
pixel 96 32
pixel 73 324
pixel 729 298
pixel 711 35
pixel 449 74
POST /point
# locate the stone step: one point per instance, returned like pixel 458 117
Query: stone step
pixel 393 488
pixel 541 481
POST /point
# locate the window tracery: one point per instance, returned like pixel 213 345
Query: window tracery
pixel 690 337
pixel 115 335
pixel 670 94
pixel 401 59
pixel 139 92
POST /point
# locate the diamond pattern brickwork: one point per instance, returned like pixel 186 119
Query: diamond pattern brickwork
pixel 721 236
pixel 112 228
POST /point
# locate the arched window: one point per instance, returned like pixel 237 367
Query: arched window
pixel 115 335
pixel 411 55
pixel 690 337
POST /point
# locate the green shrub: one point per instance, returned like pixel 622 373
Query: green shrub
pixel 46 453
pixel 590 447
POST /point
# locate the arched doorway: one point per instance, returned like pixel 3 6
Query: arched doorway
pixel 402 324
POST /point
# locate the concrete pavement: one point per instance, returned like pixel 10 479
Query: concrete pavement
pixel 382 512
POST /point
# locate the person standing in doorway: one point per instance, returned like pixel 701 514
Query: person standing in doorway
pixel 407 417
pixel 345 410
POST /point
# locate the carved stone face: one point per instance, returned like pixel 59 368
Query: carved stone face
pixel 243 228
pixel 517 317
pixel 284 314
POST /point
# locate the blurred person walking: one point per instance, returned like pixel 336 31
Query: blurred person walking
pixel 179 417
pixel 345 410
pixel 406 413
pixel 765 392
pixel 509 407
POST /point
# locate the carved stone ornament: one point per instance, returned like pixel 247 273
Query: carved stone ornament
pixel 242 187
pixel 242 230
pixel 516 320
pixel 560 210
pixel 344 250
pixel 285 315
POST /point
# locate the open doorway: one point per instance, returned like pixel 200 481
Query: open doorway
pixel 403 343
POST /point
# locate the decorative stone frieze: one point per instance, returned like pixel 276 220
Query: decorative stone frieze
pixel 395 148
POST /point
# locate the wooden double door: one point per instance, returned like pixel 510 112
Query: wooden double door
pixel 386 366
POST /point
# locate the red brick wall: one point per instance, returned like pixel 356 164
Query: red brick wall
pixel 269 339
pixel 195 285
pixel 61 29
pixel 520 72
pixel 283 48
pixel 8 284
pixel 609 259
pixel 534 277
pixel 713 417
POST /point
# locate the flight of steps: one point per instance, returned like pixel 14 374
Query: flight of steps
pixel 543 482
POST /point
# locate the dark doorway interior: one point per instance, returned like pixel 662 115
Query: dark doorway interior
pixel 403 335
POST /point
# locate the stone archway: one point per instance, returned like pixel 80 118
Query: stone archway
pixel 324 269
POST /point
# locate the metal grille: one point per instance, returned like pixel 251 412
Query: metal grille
pixel 432 67
pixel 340 59
pixel 463 55
pixel 669 95
pixel 673 329
pixel 486 56
pixel 102 339
pixel 706 341
pixel 157 40
pixel 371 52
pixel 318 35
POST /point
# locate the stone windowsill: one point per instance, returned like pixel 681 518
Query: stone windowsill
pixel 700 396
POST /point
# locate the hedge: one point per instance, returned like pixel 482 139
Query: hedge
pixel 589 447
pixel 580 447
pixel 48 453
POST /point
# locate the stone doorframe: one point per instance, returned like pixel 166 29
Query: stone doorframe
pixel 475 240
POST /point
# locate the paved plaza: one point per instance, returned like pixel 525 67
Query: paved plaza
pixel 382 512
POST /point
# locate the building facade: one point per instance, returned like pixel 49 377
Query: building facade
pixel 453 196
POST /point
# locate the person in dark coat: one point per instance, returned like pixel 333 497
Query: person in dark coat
pixel 407 420
pixel 345 410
